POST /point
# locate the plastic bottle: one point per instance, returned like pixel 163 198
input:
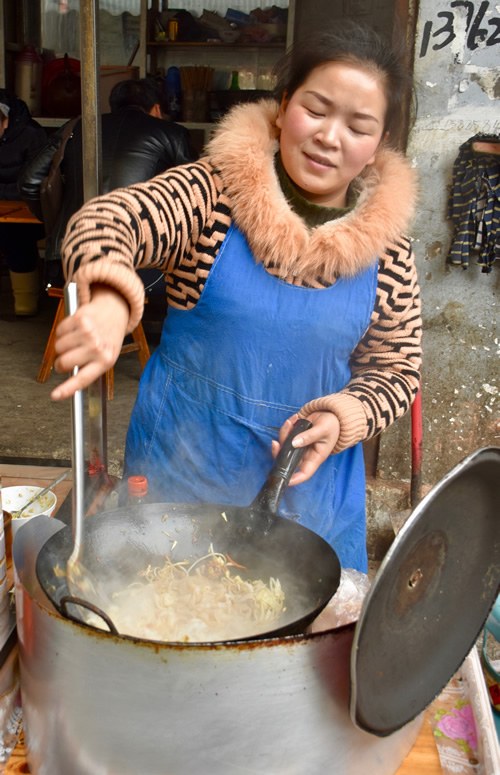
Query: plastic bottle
pixel 28 80
pixel 137 489
pixel 235 81
pixel 172 86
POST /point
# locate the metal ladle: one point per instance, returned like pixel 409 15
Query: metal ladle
pixel 84 589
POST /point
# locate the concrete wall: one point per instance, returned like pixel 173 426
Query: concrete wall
pixel 458 93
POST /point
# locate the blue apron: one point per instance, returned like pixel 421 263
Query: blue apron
pixel 230 371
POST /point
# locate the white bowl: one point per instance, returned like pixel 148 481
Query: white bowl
pixel 14 498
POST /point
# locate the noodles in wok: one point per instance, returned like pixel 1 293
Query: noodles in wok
pixel 205 600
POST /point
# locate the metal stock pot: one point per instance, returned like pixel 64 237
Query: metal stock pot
pixel 343 701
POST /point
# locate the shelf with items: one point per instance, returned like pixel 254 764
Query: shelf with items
pixel 219 56
pixel 247 49
pixel 230 33
pixel 192 23
pixel 207 100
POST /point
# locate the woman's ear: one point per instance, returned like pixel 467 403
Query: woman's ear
pixel 380 147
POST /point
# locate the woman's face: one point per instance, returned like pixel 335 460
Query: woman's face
pixel 331 128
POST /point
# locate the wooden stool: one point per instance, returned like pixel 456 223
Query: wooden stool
pixel 139 345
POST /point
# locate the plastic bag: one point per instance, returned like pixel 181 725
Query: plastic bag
pixel 345 605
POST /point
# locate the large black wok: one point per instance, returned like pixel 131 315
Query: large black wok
pixel 118 544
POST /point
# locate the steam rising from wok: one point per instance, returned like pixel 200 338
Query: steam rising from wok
pixel 122 544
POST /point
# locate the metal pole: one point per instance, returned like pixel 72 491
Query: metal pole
pixel 143 38
pixel 417 444
pixel 2 46
pixel 31 23
pixel 91 114
pixel 92 186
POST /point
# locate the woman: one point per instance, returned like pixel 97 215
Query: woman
pixel 291 292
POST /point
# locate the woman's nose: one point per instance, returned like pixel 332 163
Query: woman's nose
pixel 329 133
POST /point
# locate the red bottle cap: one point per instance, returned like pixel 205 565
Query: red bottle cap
pixel 137 486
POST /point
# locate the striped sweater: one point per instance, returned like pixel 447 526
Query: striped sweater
pixel 178 221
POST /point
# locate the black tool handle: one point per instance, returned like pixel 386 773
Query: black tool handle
pixel 285 464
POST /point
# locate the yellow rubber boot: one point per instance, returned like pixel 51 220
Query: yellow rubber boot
pixel 25 286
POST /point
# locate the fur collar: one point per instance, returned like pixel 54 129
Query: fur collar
pixel 243 150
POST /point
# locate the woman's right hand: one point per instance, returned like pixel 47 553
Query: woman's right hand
pixel 91 340
pixel 319 441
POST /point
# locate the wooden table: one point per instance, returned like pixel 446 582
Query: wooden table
pixel 423 758
pixel 16 212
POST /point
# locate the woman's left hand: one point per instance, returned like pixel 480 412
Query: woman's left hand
pixel 320 441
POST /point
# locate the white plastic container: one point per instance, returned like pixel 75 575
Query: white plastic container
pixel 14 499
pixel 28 79
pixel 489 748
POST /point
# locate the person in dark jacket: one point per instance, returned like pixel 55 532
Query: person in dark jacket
pixel 21 137
pixel 137 144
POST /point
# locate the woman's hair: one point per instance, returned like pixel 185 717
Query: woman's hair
pixel 353 43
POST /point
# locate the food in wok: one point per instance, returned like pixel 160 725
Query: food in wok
pixel 208 599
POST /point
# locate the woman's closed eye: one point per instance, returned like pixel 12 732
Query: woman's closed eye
pixel 367 130
pixel 315 113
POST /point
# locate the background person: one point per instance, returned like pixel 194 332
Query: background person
pixel 292 292
pixel 21 137
pixel 137 144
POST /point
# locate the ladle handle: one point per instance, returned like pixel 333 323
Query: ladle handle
pixel 286 462
pixel 77 441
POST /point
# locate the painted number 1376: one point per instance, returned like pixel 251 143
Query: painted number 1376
pixel 478 30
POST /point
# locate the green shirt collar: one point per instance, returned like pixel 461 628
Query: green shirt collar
pixel 311 214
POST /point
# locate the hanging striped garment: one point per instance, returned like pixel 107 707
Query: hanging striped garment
pixel 474 203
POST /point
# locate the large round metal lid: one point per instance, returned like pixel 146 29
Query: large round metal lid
pixel 430 597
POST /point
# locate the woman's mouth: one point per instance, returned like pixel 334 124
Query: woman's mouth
pixel 321 161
